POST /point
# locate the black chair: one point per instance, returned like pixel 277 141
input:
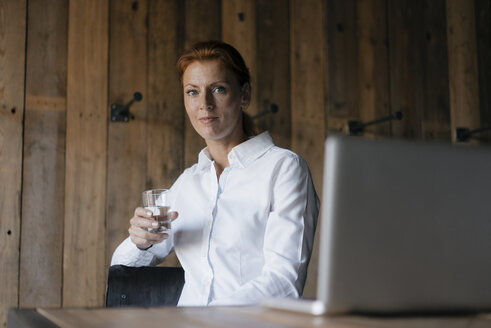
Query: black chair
pixel 144 286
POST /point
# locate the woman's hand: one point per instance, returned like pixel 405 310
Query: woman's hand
pixel 141 221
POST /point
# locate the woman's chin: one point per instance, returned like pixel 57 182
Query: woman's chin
pixel 220 135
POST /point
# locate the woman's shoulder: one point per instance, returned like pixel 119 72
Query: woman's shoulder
pixel 286 156
pixel 191 171
pixel 188 172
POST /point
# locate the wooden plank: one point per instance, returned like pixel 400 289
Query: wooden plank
pixel 86 152
pixel 341 62
pixel 126 163
pixel 221 318
pixel 165 118
pixel 418 67
pixel 118 317
pixel 287 318
pixel 44 155
pixel 307 95
pixel 483 35
pixel 407 77
pixel 39 103
pixel 239 30
pixel 205 317
pixel 373 84
pixel 436 115
pixel 462 64
pixel 273 68
pixel 203 22
pixel 166 114
pixel 12 59
pixel 241 317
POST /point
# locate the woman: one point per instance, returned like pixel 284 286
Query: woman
pixel 247 209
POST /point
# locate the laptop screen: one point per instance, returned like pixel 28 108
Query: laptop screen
pixel 405 227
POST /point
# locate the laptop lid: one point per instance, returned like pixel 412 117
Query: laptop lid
pixel 406 227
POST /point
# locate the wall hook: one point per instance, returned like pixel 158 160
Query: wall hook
pixel 464 134
pixel 121 113
pixel 273 108
pixel 355 128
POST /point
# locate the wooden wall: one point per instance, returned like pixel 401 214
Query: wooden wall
pixel 70 178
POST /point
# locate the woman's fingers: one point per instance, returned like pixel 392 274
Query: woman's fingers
pixel 141 212
pixel 144 223
pixel 140 224
pixel 147 235
pixel 173 215
pixel 143 238
pixel 143 219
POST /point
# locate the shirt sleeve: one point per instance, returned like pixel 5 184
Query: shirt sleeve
pixel 288 238
pixel 128 254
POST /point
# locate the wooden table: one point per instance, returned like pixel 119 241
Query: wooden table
pixel 246 317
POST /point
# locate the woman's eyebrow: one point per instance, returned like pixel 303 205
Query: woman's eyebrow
pixel 219 82
pixel 211 84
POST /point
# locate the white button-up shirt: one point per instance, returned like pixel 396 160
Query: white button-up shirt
pixel 246 236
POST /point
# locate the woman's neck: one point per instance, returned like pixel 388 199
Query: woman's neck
pixel 219 150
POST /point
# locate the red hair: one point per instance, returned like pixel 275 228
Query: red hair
pixel 224 52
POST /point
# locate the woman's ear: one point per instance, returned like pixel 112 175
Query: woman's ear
pixel 245 98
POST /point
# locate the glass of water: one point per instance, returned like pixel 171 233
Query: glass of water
pixel 156 201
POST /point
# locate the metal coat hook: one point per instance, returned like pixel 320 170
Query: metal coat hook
pixel 272 109
pixel 121 113
pixel 464 134
pixel 355 128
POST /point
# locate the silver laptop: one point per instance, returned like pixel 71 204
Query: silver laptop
pixel 406 227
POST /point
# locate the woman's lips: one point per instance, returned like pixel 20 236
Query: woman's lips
pixel 208 119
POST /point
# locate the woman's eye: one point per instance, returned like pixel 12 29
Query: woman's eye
pixel 192 92
pixel 219 90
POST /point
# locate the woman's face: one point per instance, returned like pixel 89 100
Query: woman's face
pixel 213 99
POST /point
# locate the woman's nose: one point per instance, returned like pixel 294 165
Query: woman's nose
pixel 208 102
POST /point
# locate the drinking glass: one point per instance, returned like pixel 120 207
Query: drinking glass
pixel 156 200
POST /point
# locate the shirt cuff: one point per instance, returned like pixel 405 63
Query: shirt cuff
pixel 128 254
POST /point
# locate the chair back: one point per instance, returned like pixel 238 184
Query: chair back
pixel 144 286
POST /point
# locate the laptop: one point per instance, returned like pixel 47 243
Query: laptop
pixel 405 228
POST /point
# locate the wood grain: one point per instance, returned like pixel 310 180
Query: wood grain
pixel 307 94
pixel 165 116
pixel 372 75
pixel 341 64
pixel 407 77
pixel 418 69
pixel 44 155
pixel 12 59
pixel 239 30
pixel 126 165
pixel 273 68
pixel 483 39
pixel 436 116
pixel 250 316
pixel 203 23
pixel 462 65
pixel 50 103
pixel 86 154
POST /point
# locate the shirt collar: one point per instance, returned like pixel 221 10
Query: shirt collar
pixel 242 154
